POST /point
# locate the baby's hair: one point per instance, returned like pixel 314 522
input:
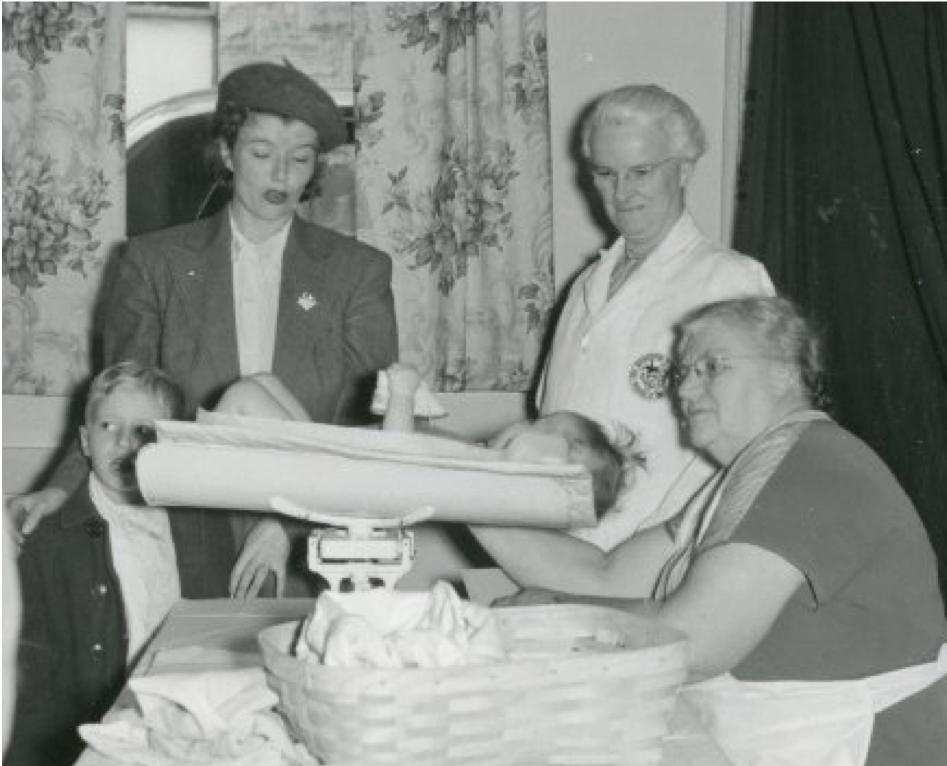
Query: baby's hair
pixel 612 443
pixel 133 374
pixel 625 441
pixel 625 444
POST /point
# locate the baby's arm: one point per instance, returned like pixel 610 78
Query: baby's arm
pixel 403 383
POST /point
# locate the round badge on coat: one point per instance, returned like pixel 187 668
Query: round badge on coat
pixel 650 376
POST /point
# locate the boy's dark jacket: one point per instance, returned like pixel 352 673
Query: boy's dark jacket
pixel 74 642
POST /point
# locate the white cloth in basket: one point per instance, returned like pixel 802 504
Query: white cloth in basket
pixel 218 717
pixel 395 629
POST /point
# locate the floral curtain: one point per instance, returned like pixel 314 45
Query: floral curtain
pixel 843 196
pixel 63 184
pixel 453 181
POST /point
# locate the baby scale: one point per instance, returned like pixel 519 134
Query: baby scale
pixel 355 550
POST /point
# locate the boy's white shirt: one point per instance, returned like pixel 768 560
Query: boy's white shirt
pixel 145 562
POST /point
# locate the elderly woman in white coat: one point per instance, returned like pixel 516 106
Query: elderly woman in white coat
pixel 611 350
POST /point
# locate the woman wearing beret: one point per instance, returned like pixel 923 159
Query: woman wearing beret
pixel 252 289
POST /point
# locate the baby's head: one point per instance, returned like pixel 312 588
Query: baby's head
pixel 584 442
pixel 123 403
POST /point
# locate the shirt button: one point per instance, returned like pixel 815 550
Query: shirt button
pixel 101 589
pixel 95 528
pixel 97 650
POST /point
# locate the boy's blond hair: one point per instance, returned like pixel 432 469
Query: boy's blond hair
pixel 131 373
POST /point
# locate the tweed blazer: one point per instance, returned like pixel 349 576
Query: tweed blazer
pixel 168 301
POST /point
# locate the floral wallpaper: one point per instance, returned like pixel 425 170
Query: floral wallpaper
pixel 63 184
pixel 453 181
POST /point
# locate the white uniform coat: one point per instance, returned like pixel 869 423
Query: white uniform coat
pixel 597 343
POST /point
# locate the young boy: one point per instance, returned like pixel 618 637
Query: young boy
pixel 98 576
pixel 558 437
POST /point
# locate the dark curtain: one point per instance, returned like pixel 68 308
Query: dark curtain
pixel 843 195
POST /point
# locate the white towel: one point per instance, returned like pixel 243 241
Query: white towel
pixel 218 717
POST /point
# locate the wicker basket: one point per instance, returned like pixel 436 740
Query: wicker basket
pixel 583 685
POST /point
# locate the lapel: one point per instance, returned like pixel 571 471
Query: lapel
pixel 595 288
pixel 204 275
pixel 648 283
pixel 303 300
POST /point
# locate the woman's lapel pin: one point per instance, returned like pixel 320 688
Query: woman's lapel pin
pixel 306 301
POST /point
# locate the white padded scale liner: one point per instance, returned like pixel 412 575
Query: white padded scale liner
pixel 235 462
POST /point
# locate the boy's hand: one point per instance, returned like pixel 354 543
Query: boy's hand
pixel 27 511
pixel 403 381
pixel 265 550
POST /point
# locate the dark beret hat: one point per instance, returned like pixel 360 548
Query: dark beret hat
pixel 284 90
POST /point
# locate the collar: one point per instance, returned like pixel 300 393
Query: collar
pixel 794 417
pixel 680 239
pixel 268 249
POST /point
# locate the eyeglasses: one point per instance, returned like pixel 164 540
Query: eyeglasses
pixel 638 174
pixel 708 368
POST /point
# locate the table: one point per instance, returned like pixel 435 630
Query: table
pixel 233 625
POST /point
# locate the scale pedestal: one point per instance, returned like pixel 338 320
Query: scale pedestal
pixel 358 550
